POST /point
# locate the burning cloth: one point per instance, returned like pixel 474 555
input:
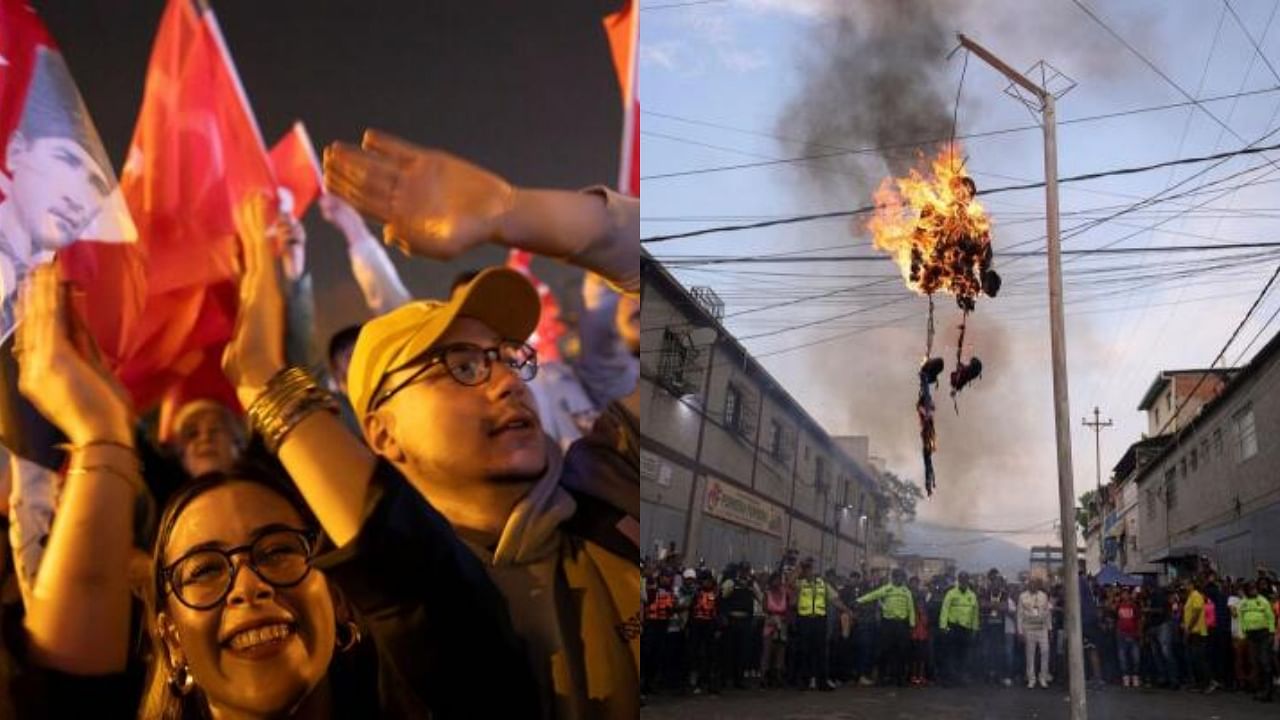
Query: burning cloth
pixel 940 237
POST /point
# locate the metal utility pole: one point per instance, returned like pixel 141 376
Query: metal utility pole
pixel 1058 341
pixel 1097 426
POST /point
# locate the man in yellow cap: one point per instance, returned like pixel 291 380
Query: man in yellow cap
pixel 440 389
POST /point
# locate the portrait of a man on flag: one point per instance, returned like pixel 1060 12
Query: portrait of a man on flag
pixel 56 180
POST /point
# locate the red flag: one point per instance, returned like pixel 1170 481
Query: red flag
pixel 56 187
pixel 56 181
pixel 297 170
pixel 622 28
pixel 196 153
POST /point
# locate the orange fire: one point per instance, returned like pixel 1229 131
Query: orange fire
pixel 936 231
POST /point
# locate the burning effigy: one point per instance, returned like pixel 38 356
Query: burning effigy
pixel 933 227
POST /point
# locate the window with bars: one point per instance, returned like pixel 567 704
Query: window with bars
pixel 675 361
pixel 782 445
pixel 1246 433
pixel 733 408
pixel 740 408
pixel 1170 489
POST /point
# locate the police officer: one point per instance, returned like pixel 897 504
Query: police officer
pixel 1258 622
pixel 959 624
pixel 813 598
pixel 897 616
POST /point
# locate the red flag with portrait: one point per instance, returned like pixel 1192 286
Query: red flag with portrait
pixel 56 181
pixel 57 187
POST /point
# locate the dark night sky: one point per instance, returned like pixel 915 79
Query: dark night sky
pixel 526 89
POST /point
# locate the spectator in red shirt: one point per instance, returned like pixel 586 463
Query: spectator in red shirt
pixel 1128 637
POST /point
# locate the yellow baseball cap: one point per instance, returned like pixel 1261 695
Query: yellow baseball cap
pixel 498 297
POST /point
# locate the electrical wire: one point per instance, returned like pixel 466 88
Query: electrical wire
pixel 841 151
pixel 1248 150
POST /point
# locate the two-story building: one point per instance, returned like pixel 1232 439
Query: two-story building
pixel 1122 518
pixel 732 467
pixel 1212 490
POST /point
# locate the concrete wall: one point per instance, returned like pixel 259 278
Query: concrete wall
pixel 1216 488
pixel 675 464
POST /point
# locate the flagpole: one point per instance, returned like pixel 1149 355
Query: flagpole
pixel 629 118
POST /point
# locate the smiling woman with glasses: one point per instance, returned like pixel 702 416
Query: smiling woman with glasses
pixel 201 578
pixel 241 621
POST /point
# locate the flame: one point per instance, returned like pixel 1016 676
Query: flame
pixel 936 231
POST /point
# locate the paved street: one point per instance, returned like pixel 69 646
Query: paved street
pixel 1114 703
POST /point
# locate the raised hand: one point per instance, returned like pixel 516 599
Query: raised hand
pixel 432 203
pixel 256 349
pixel 341 215
pixel 59 370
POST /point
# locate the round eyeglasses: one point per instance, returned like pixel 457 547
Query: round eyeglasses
pixel 202 578
pixel 468 365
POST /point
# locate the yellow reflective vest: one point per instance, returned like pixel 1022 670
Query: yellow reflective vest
pixel 1255 614
pixel 960 608
pixel 896 602
pixel 812 597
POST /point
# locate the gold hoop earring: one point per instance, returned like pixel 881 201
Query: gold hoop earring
pixel 180 681
pixel 352 639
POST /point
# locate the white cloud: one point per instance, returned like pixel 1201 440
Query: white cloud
pixel 719 33
pixel 803 8
pixel 742 60
pixel 664 55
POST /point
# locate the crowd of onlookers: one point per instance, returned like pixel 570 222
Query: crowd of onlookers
pixel 787 626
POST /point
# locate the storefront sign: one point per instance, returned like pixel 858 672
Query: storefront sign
pixel 729 503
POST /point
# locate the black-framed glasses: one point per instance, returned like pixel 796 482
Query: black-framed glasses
pixel 468 365
pixel 202 578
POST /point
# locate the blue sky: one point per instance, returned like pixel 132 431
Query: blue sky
pixel 717 83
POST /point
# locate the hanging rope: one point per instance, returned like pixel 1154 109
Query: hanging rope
pixel 955 111
pixel 928 344
pixel 964 325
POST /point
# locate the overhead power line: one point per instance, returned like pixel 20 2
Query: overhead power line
pixel 1262 294
pixel 677 5
pixel 1154 68
pixel 837 151
pixel 810 217
pixel 718 260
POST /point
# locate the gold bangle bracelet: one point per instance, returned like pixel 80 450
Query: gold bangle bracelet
pixel 289 397
pixel 134 480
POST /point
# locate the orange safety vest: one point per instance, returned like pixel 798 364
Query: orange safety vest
pixel 704 606
pixel 660 608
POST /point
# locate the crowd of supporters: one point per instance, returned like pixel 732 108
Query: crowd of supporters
pixel 357 553
pixel 788 627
